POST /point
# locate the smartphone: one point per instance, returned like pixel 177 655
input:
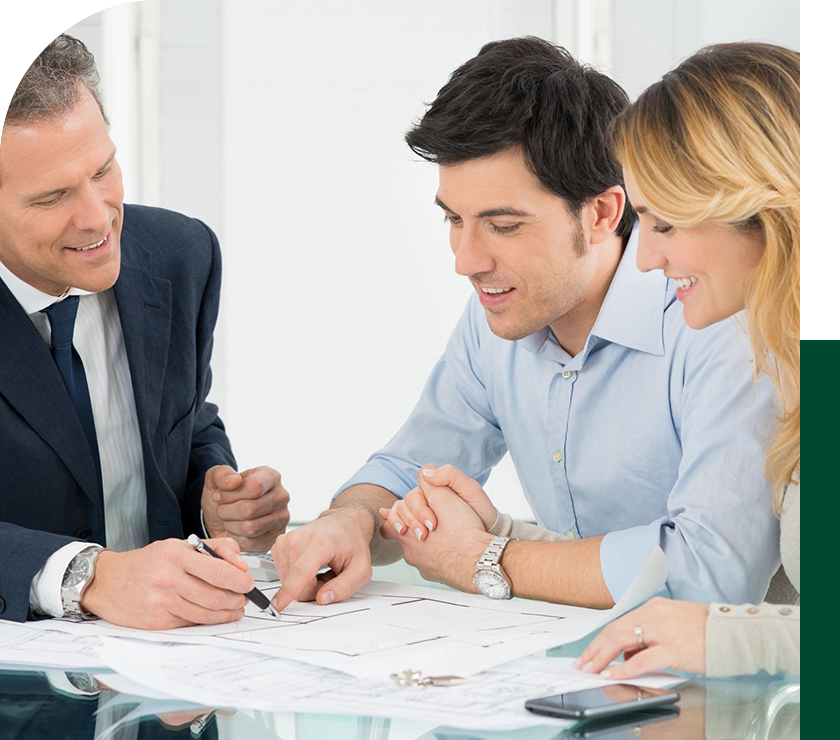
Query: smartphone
pixel 604 702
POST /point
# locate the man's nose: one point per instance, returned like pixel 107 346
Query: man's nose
pixel 649 256
pixel 92 212
pixel 471 254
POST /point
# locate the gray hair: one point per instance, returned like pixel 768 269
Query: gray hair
pixel 54 83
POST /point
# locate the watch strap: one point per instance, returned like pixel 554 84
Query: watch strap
pixel 70 597
pixel 493 554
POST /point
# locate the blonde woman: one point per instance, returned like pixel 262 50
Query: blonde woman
pixel 711 164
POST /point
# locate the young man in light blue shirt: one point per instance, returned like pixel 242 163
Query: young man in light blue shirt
pixel 628 429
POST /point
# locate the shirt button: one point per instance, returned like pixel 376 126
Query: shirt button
pixel 724 609
pixel 784 612
pixel 558 456
pixel 566 374
pixel 752 610
pixel 571 535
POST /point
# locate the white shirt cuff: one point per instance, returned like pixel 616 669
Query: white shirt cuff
pixel 45 589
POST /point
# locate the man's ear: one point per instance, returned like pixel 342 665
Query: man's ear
pixel 602 214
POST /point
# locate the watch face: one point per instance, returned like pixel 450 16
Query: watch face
pixel 76 572
pixel 491 584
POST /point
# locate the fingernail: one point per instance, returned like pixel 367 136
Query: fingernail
pixel 606 674
pixel 231 479
pixel 398 527
pixel 588 667
pixel 576 664
pixel 382 509
pixel 428 472
pixel 429 524
pixel 217 497
pixel 329 597
pixel 419 533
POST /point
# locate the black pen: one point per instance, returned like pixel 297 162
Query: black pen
pixel 255 596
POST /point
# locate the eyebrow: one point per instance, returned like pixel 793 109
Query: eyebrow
pixel 490 213
pixel 56 191
pixel 640 209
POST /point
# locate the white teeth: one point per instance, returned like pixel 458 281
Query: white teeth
pixel 496 291
pixel 92 246
pixel 685 282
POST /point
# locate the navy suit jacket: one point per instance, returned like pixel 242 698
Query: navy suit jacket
pixel 167 296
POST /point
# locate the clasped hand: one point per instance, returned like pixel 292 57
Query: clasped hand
pixel 251 507
pixel 442 525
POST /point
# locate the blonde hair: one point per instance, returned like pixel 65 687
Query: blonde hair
pixel 717 139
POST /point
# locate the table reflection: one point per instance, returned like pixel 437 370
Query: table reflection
pixel 73 704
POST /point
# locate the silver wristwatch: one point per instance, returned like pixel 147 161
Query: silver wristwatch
pixel 76 579
pixel 489 577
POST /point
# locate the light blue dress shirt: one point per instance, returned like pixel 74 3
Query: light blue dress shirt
pixel 653 434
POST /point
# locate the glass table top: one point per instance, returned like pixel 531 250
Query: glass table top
pixel 58 704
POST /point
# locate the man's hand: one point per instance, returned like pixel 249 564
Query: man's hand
pixel 450 552
pixel 413 513
pixel 168 584
pixel 252 507
pixel 339 538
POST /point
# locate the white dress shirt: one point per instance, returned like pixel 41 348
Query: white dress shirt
pixel 98 339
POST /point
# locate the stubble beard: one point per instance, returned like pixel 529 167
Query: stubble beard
pixel 554 306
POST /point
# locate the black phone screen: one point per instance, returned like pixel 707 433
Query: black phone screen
pixel 612 699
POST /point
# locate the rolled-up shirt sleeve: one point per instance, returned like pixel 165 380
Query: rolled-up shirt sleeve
pixel 720 535
pixel 452 422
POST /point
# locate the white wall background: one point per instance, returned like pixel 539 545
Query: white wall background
pixel 280 124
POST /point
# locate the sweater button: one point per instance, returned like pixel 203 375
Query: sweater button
pixel 784 612
pixel 752 610
pixel 724 608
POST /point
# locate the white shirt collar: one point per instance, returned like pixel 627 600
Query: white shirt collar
pixel 30 298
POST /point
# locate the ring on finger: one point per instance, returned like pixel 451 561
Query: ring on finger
pixel 639 637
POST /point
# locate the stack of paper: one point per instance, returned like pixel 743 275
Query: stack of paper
pixel 339 658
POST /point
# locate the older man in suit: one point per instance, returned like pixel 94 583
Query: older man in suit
pixel 106 327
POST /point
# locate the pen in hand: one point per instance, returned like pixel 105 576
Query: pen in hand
pixel 255 596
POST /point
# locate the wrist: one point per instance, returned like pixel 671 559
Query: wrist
pixel 91 597
pixel 477 544
pixel 358 516
pixel 489 521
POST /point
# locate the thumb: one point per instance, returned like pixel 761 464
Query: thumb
pixel 467 488
pixel 345 584
pixel 225 478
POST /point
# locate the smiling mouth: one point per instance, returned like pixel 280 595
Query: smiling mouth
pixel 91 246
pixel 684 283
pixel 495 291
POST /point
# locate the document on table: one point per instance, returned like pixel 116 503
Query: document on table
pixel 47 648
pixel 387 628
pixel 228 678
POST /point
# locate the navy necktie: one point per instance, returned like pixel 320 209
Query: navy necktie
pixel 62 316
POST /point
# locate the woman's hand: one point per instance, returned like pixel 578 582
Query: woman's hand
pixel 413 513
pixel 673 635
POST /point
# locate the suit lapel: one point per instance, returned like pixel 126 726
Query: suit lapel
pixel 144 303
pixel 30 382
